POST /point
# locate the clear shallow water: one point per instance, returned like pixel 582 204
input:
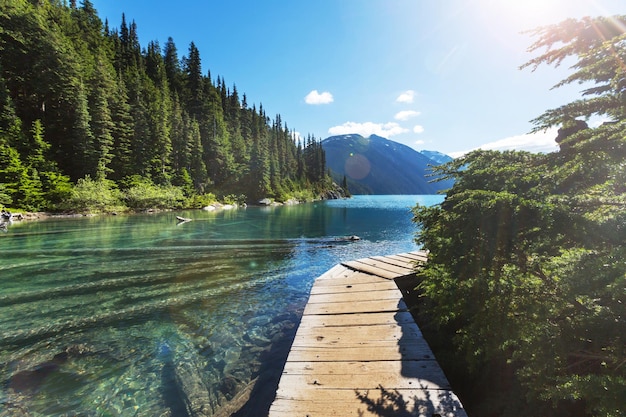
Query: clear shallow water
pixel 125 315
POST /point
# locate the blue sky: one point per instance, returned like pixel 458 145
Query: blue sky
pixel 432 74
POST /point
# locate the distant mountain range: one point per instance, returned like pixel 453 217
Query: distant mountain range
pixel 376 165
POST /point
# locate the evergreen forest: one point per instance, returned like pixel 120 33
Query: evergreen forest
pixel 92 121
pixel 524 294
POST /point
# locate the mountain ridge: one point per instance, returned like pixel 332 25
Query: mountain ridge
pixel 376 165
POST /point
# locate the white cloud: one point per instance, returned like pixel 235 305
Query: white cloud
pixel 407 97
pixel 419 142
pixel 296 136
pixel 418 129
pixel 366 129
pixel 406 115
pixel 315 97
pixel 532 142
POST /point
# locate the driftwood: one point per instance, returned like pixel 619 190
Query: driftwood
pixel 193 391
pixel 182 219
pixel 352 238
pixel 238 401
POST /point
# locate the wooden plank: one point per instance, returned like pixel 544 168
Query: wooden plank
pixel 338 297
pixel 399 374
pixel 362 319
pixel 355 307
pixel 415 261
pixel 357 333
pixel 369 269
pixel 368 403
pixel 406 258
pixel 379 285
pixel 417 256
pixel 379 352
pixel 401 263
pixel 396 345
pixel 335 343
pixel 350 277
pixel 335 272
pixel 399 271
pixel 334 394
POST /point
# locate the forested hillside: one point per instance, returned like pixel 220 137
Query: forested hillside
pixel 84 103
pixel 524 293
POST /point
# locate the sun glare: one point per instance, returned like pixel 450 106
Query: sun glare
pixel 529 13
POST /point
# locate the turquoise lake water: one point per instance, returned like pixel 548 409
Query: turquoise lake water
pixel 105 316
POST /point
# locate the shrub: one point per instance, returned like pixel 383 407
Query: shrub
pixel 143 194
pixel 95 196
pixel 201 200
pixel 5 199
pixel 234 199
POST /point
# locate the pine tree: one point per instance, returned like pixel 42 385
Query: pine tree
pixel 172 67
pixel 122 132
pixel 102 126
pixel 181 148
pixel 197 169
pixel 215 138
pixel 260 176
pixel 160 110
pixel 194 85
pixel 11 172
pixel 80 153
pixel 10 124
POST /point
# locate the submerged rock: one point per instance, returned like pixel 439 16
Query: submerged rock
pixel 229 386
pixel 193 391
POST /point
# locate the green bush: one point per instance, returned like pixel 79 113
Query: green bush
pixel 95 196
pixel 145 195
pixel 234 199
pixel 5 199
pixel 201 200
pixel 59 189
pixel 302 195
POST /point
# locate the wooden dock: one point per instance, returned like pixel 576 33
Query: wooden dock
pixel 358 351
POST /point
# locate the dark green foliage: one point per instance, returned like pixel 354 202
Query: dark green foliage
pixel 95 196
pixel 143 194
pixel 344 185
pixel 122 132
pixel 104 107
pixel 12 171
pixel 526 274
pixel 5 198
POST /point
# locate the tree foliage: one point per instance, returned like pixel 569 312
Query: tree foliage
pixel 526 270
pixel 106 108
pixel 95 196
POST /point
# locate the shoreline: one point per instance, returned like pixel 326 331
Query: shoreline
pixel 217 206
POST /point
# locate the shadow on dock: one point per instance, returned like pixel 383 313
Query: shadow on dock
pixel 435 400
pixel 358 351
pixel 392 403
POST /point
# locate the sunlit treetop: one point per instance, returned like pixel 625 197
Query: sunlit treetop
pixel 598 46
